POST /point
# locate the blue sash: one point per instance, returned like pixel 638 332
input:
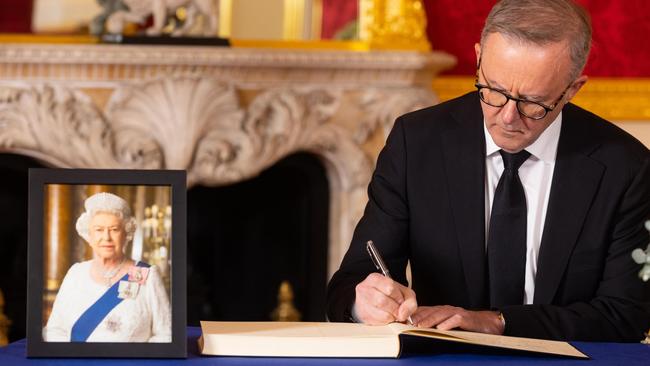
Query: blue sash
pixel 90 319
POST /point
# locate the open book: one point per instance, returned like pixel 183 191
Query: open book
pixel 305 339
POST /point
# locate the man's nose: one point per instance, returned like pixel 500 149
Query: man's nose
pixel 510 113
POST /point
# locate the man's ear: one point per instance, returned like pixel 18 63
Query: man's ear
pixel 575 87
pixel 477 49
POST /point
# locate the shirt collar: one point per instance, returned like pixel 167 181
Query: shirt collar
pixel 544 148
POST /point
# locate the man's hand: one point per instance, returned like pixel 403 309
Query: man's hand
pixel 450 317
pixel 380 300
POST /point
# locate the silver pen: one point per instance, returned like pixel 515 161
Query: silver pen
pixel 380 264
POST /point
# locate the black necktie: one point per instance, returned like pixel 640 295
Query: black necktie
pixel 506 244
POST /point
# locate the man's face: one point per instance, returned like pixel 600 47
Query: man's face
pixel 527 71
pixel 107 236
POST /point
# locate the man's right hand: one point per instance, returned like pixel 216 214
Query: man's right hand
pixel 380 300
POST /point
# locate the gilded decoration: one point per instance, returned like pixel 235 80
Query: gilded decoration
pixel 393 24
pixel 4 323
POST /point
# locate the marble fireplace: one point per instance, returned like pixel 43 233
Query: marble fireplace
pixel 224 115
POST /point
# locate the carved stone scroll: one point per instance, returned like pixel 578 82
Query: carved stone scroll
pixel 56 125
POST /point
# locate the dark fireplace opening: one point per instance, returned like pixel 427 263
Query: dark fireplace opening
pixel 245 239
pixel 13 233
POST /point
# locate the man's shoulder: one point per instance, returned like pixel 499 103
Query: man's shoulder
pixel 449 114
pixel 608 138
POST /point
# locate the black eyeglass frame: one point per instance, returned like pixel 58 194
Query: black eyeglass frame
pixel 509 97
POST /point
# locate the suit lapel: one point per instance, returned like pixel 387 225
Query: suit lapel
pixel 464 159
pixel 575 181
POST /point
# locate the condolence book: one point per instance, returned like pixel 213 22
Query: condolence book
pixel 305 339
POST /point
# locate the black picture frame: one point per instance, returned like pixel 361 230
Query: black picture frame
pixel 38 181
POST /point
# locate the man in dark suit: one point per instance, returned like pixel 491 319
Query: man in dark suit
pixel 516 210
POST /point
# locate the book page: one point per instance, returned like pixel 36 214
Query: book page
pixel 297 329
pixel 516 343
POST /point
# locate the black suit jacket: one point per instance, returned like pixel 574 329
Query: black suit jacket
pixel 426 205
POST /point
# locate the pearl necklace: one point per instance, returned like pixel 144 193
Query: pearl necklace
pixel 110 273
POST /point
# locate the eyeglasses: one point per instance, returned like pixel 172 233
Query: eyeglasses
pixel 527 108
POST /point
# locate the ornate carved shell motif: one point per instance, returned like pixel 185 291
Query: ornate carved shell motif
pixel 162 123
pixel 188 123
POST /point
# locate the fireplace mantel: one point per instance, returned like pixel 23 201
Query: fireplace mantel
pixel 222 114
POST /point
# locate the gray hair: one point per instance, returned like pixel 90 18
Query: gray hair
pixel 542 22
pixel 106 203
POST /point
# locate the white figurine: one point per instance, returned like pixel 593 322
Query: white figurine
pixel 139 10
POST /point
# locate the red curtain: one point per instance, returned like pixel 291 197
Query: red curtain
pixel 15 16
pixel 454 26
pixel 336 14
pixel 621 34
pixel 621 40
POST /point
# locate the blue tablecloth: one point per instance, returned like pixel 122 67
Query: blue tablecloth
pixel 627 354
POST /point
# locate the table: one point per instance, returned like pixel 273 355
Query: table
pixel 628 354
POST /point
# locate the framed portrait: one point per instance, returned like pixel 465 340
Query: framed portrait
pixel 106 263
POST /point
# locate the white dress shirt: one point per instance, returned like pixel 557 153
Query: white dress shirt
pixel 536 175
